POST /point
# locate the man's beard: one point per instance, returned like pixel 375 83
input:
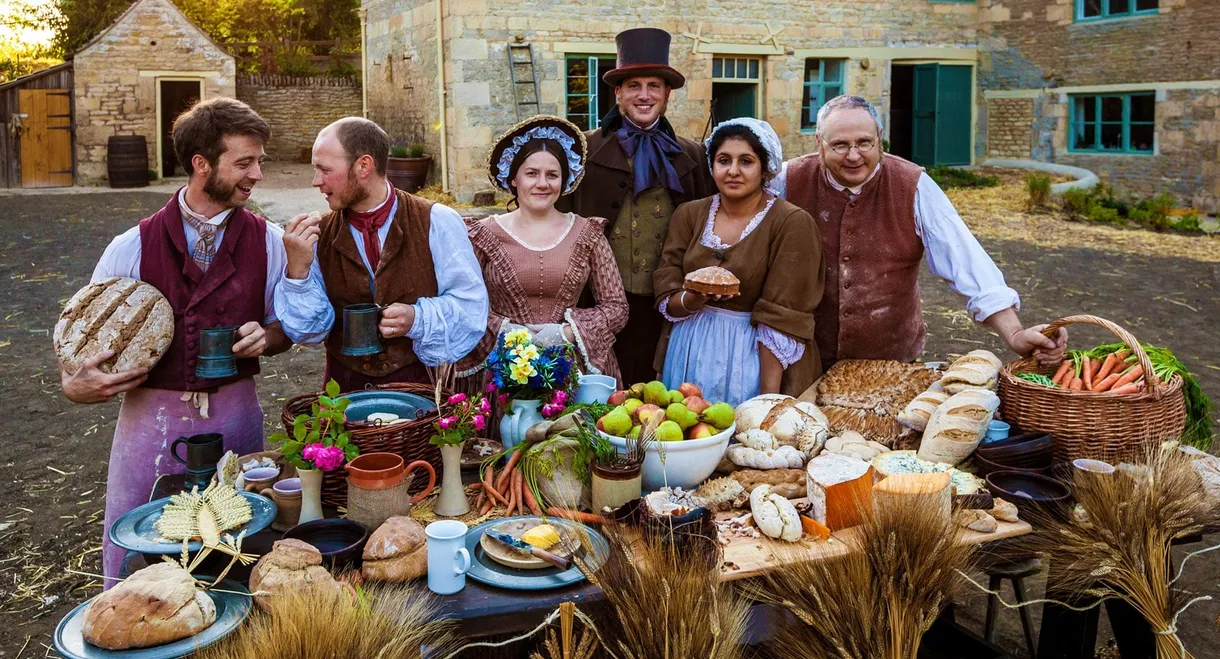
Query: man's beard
pixel 221 192
pixel 352 193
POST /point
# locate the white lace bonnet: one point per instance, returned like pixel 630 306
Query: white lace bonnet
pixel 541 127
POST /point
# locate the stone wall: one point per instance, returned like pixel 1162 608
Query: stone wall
pixel 1009 124
pixel 1036 50
pixel 402 94
pixel 297 108
pixel 116 79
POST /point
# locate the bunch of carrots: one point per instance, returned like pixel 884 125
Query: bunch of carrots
pixel 1113 374
pixel 511 490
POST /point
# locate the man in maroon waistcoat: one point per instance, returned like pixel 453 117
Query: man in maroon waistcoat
pixel 218 265
pixel 879 216
pixel 639 170
pixel 381 245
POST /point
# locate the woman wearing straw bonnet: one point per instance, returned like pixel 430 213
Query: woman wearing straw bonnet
pixel 536 260
pixel 760 339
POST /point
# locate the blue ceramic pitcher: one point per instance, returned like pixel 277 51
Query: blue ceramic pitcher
pixel 521 414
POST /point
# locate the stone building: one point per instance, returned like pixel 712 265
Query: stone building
pixel 957 81
pixel 136 76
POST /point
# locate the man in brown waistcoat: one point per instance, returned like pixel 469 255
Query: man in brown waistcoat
pixel 637 173
pixel 218 265
pixel 879 216
pixel 382 245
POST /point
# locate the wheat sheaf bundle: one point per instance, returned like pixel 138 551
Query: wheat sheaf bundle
pixel 206 515
pixel 392 622
pixel 666 603
pixel 878 600
pixel 1120 547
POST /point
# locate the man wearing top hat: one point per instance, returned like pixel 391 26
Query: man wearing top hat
pixel 643 171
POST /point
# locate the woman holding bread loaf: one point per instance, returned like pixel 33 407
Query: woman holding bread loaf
pixel 537 261
pixel 740 275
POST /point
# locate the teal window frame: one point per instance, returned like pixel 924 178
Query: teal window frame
pixel 1106 13
pixel 1077 123
pixel 594 118
pixel 818 89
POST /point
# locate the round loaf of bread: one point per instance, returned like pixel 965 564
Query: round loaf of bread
pixel 158 604
pixel 713 280
pixel 127 317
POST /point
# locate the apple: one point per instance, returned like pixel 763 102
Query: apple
pixel 631 404
pixel 696 404
pixel 600 426
pixel 640 411
pixel 701 431
pixel 617 398
pixel 689 390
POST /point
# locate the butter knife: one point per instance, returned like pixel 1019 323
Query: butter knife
pixel 526 548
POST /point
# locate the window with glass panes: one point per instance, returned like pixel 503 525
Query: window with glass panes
pixel 823 81
pixel 1087 10
pixel 1113 123
pixel 729 69
pixel 587 98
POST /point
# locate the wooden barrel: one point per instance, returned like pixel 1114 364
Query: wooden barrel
pixel 127 161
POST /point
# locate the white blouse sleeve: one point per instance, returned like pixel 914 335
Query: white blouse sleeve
pixel 955 255
pixel 121 258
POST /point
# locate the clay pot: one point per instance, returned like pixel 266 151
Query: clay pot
pixel 376 471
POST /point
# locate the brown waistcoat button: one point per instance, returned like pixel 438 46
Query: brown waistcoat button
pixel 846 259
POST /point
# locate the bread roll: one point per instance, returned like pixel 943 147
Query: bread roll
pixel 158 604
pixel 127 317
pixel 977 369
pixel 397 551
pixel 292 564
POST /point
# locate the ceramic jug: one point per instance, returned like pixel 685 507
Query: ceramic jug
pixel 521 414
pixel 595 388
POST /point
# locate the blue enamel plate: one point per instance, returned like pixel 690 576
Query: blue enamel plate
pixel 231 612
pixel 135 531
pixel 485 569
pixel 407 406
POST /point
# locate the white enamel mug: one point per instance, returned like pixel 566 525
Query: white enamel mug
pixel 448 560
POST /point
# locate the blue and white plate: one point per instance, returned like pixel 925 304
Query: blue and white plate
pixel 136 530
pixel 231 612
pixel 485 569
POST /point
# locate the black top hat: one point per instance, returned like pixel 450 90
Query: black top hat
pixel 643 51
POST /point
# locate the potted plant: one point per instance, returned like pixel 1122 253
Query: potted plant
pixel 408 167
pixel 467 416
pixel 319 443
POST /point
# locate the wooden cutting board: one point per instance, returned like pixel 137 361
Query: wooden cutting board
pixel 748 557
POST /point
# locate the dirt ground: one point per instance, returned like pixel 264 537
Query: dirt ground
pixel 54 460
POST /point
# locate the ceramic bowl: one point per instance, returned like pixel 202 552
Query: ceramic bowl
pixel 687 463
pixel 1030 492
pixel 983 466
pixel 341 541
pixel 1037 448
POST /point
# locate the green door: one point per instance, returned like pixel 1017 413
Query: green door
pixel 923 115
pixel 941 105
pixel 953 103
pixel 733 100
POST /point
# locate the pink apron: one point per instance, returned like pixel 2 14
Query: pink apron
pixel 149 421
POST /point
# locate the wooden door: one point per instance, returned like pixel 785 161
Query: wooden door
pixel 46 138
pixel 923 114
pixel 954 100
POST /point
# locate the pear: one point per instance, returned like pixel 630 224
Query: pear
pixel 634 433
pixel 636 390
pixel 678 413
pixel 631 404
pixel 669 431
pixel 655 393
pixel 675 396
pixel 719 415
pixel 617 422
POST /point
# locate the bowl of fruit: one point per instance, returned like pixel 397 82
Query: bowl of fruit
pixel 692 433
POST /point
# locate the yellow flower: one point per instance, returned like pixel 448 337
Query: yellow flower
pixel 526 352
pixel 521 371
pixel 516 337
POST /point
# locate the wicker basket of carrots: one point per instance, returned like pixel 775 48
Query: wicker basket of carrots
pixel 1110 403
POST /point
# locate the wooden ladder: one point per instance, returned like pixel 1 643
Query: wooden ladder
pixel 525 88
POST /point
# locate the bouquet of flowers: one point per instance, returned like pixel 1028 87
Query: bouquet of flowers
pixel 520 369
pixel 319 440
pixel 467 416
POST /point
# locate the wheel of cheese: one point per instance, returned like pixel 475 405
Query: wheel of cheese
pixel 125 316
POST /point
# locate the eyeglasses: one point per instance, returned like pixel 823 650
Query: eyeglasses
pixel 863 146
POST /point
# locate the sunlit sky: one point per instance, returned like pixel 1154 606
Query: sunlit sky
pixel 23 35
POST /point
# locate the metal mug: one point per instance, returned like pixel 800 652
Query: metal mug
pixel 361 330
pixel 202 454
pixel 216 359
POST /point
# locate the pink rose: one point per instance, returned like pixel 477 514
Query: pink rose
pixel 560 398
pixel 448 422
pixel 491 387
pixel 456 398
pixel 480 422
pixel 484 405
pixel 328 458
pixel 310 451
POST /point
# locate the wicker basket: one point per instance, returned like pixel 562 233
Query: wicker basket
pixel 408 439
pixel 1101 426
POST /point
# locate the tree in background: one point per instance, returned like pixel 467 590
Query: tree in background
pixel 25 38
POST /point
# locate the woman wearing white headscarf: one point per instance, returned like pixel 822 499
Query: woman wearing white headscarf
pixel 761 339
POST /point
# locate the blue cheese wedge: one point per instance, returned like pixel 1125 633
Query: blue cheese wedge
pixel 905 462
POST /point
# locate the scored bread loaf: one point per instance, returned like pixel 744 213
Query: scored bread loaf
pixel 977 369
pixel 396 551
pixel 156 605
pixel 958 425
pixel 917 413
pixel 127 317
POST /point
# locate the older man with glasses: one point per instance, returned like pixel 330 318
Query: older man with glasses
pixel 880 215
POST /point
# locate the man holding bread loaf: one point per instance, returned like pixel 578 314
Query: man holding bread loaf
pixel 879 216
pixel 217 264
pixel 377 244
